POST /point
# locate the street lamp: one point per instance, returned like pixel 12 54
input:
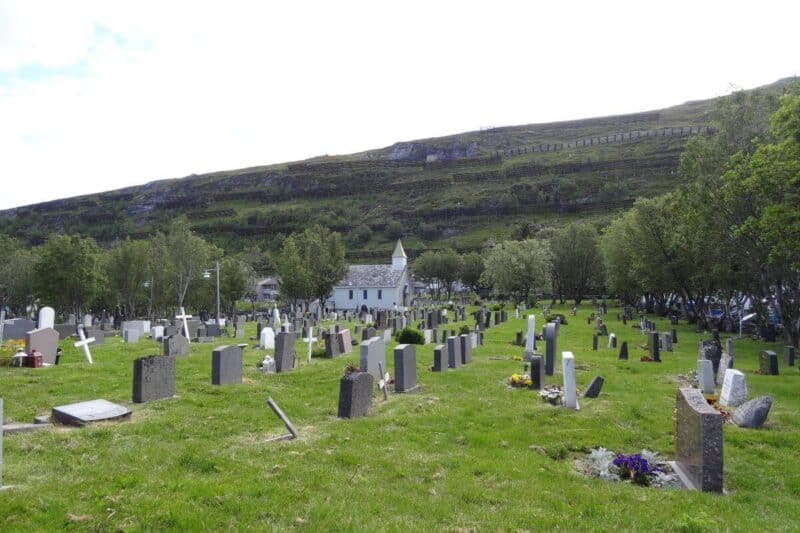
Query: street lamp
pixel 207 275
pixel 150 284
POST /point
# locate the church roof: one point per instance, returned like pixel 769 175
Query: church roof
pixel 371 276
pixel 398 250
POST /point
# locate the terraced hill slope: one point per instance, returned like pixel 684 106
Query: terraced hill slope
pixel 458 191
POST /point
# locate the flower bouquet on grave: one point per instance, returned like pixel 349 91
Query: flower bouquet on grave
pixel 520 380
pixel 645 468
pixel 713 401
pixel 646 359
pixel 552 394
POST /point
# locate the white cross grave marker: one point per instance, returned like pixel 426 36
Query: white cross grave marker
pixel 84 343
pixel 310 340
pixel 183 316
pixel 383 384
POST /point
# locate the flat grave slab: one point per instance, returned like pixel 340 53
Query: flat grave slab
pixel 83 413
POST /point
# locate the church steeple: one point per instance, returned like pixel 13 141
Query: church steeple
pixel 399 257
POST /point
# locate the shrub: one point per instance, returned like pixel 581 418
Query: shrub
pixel 552 316
pixel 496 307
pixel 410 336
pixel 464 330
pixel 318 353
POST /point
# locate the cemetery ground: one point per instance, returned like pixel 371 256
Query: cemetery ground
pixel 464 452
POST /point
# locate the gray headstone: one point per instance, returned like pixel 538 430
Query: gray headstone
pixel 80 414
pixel 131 335
pixel 594 388
pixel 768 363
pixel 66 330
pixel 153 378
pixel 355 395
pixel 331 346
pixel 550 338
pixel 623 351
pixel 752 414
pixel 537 371
pixel 284 351
pixel 712 351
pixel 698 441
pixel 405 368
pixel 212 330
pixel 16 328
pixel 98 334
pixel 465 349
pixel 725 362
pixel 45 341
pixel 594 341
pixel 226 365
pixel 440 358
pixel 788 355
pixel 176 345
pixel 453 352
pixel 653 344
pixel 344 341
pixel 373 353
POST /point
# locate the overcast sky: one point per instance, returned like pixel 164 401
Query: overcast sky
pixel 100 95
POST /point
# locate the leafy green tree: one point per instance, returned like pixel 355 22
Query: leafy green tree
pixel 128 265
pixel 443 267
pixel 518 268
pixel 577 263
pixel 16 278
pixel 472 268
pixel 68 273
pixel 187 256
pixel 294 273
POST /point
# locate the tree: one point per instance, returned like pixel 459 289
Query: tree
pixel 187 256
pixel 128 266
pixel 471 270
pixel 16 278
pixel 293 273
pixel 518 268
pixel 237 281
pixel 310 264
pixel 443 267
pixel 577 263
pixel 68 273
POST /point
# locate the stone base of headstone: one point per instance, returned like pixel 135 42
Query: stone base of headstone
pixel 355 395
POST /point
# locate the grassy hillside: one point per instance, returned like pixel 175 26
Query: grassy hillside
pixel 465 453
pixel 450 191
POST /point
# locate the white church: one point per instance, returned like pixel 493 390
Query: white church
pixel 375 286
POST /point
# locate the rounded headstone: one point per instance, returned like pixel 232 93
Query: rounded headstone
pixel 47 317
pixel 752 414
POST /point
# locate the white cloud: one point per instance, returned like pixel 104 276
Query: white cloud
pixel 171 88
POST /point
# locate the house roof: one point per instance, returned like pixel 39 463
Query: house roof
pixel 371 276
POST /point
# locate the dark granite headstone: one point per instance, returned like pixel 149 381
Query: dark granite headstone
pixel 440 358
pixel 284 351
pixel 465 349
pixel 212 330
pixel 98 334
pixel 355 395
pixel 44 340
pixel 654 346
pixel 711 350
pixel 226 365
pixel 331 345
pixel 453 352
pixel 768 363
pixel 153 378
pixel 698 441
pixel 788 355
pixel 80 414
pixel 674 336
pixel 405 368
pixel 623 350
pixel 593 390
pixel 594 341
pixel 537 371
pixel 550 348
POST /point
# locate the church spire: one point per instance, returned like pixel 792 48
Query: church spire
pixel 399 257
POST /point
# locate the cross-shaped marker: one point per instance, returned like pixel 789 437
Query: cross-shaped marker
pixel 183 316
pixel 84 342
pixel 310 340
pixel 384 383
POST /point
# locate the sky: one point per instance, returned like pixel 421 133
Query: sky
pixel 98 95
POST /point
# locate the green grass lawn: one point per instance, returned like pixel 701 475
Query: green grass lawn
pixel 464 453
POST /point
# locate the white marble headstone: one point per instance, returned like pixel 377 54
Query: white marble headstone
pixel 267 341
pixel 530 338
pixel 570 390
pixel 47 317
pixel 611 340
pixel 734 389
pixel 705 376
pixel 87 321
